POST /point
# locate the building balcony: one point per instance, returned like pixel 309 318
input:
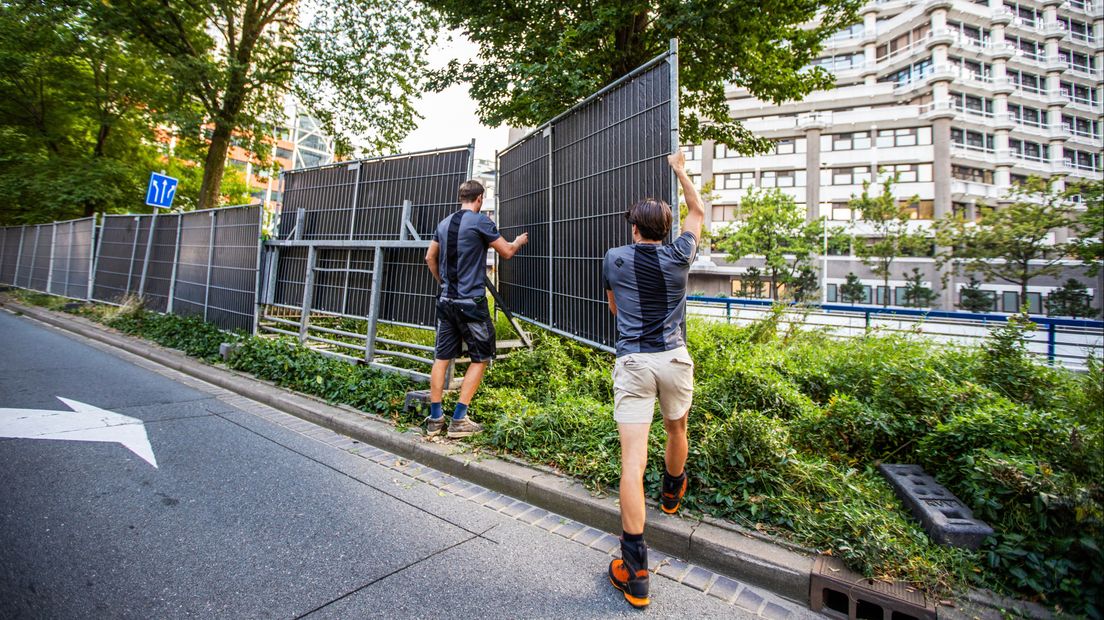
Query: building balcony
pixel 1055 64
pixel 1003 15
pixel 937 109
pixel 1084 139
pixel 1075 169
pixel 972 152
pixel 1082 71
pixel 971 190
pixel 1033 163
pixel 1053 30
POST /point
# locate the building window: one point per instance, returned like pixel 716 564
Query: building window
pixel 972 140
pixel 720 151
pixel 1084 127
pixel 832 294
pixel 972 69
pixel 1082 160
pixel 910 173
pixel 283 153
pixel 919 209
pixel 980 106
pixel 841 211
pixel 782 178
pixel 906 136
pixel 1033 151
pixel 1028 48
pixel 1025 115
pixel 977 36
pixel 788 146
pixel 1078 93
pixel 975 175
pixel 692 152
pixel 735 180
pixel 1027 82
pixel 902 43
pixel 1078 61
pixel 1027 15
pixel 854 31
pixel 992 295
pixel 840 62
pixel 912 73
pixel 725 213
pixel 851 175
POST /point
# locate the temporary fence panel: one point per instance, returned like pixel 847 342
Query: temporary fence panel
pixel 155 285
pixel 118 269
pixel 602 156
pixel 232 285
pixel 12 239
pixel 44 249
pixel 71 266
pixel 523 206
pixel 28 249
pixel 358 204
pixel 216 266
pixel 363 199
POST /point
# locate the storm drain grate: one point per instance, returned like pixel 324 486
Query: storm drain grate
pixel 838 592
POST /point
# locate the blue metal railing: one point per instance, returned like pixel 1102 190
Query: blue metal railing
pixel 1051 324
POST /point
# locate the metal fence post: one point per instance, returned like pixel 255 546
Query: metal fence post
pixel 175 265
pixel 18 256
pixel 34 257
pixel 50 270
pixel 149 248
pixel 210 259
pixel 97 249
pixel 1051 342
pixel 374 305
pixel 551 224
pixel 308 293
pixel 133 252
pixel 69 256
pixel 257 283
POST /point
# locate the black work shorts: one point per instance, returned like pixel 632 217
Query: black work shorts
pixel 467 320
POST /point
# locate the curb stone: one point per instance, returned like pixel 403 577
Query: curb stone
pixel 749 556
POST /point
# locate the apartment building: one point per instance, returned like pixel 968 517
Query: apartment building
pixel 959 98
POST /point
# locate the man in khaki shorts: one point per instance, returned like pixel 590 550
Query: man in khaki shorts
pixel 646 289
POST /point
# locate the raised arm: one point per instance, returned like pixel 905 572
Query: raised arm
pixel 506 249
pixel 695 209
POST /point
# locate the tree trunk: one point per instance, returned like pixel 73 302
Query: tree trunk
pixel 214 166
pixel 885 284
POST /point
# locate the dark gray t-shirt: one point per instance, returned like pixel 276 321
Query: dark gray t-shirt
pixel 462 260
pixel 649 286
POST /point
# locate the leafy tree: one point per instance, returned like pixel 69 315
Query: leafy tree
pixel 916 294
pixel 356 65
pixel 753 277
pixel 74 115
pixel 774 228
pixel 852 291
pixel 803 285
pixel 1012 243
pixel 1072 300
pixel 1089 247
pixel 538 58
pixel 973 299
pixel 889 222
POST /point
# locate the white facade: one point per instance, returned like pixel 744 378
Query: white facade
pixel 960 98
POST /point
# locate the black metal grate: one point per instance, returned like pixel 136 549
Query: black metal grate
pixel 606 154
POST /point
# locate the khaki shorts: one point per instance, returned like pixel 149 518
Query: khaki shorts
pixel 638 378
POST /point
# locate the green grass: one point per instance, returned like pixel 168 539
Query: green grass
pixel 785 435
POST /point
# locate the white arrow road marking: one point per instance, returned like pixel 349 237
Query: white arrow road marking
pixel 83 423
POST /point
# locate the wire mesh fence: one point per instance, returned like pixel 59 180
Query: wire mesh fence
pixel 71 266
pixel 568 185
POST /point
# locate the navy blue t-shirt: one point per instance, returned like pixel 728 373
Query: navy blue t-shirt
pixel 464 238
pixel 649 287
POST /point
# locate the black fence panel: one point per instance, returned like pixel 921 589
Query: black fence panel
pixel 40 267
pixel 291 276
pixel 11 240
pixel 523 206
pixel 409 293
pixel 232 293
pixel 72 258
pixel 193 260
pixel 606 153
pixel 162 257
pixel 363 199
pixel 343 282
pixel 116 258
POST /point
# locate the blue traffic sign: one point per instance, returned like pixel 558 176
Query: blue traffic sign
pixel 161 190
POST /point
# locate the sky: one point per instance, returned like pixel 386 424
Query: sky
pixel 449 116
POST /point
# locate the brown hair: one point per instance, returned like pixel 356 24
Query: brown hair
pixel 470 190
pixel 652 218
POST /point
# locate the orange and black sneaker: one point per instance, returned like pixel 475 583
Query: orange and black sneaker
pixel 673 489
pixel 630 576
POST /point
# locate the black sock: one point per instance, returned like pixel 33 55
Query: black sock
pixel 634 553
pixel 671 484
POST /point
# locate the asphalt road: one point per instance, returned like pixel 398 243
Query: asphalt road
pixel 251 513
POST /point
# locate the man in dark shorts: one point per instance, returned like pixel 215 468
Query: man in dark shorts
pixel 457 257
pixel 646 290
